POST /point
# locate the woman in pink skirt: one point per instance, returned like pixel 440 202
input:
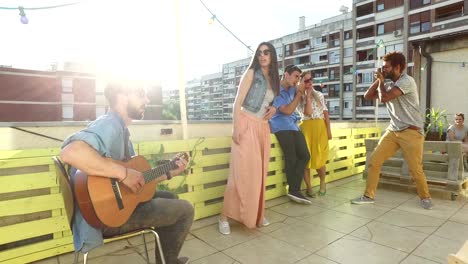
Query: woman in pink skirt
pixel 244 197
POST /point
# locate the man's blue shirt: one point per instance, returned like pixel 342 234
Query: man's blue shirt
pixel 106 136
pixel 280 121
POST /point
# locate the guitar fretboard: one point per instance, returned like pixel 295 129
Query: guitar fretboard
pixel 158 171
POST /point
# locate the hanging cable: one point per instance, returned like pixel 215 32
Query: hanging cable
pixel 214 18
pixel 21 9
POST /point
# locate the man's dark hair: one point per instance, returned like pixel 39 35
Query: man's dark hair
pixel 291 68
pixel 396 58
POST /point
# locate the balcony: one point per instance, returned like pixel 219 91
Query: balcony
pixel 365 19
pixel 302 51
pixel 452 23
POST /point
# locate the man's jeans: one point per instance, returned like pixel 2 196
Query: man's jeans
pixel 411 144
pixel 171 217
pixel 296 156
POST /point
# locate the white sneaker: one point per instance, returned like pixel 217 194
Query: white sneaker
pixel 265 222
pixel 223 227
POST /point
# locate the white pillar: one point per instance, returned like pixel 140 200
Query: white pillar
pixel 180 67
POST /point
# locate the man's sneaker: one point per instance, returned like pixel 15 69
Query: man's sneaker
pixel 426 203
pixel 362 200
pixel 223 227
pixel 298 198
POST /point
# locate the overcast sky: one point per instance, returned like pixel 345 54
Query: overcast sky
pixel 141 38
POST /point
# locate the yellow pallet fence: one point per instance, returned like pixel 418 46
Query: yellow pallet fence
pixel 33 222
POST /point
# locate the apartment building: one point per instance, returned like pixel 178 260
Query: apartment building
pixel 432 34
pixel 327 50
pixel 344 51
pixel 206 99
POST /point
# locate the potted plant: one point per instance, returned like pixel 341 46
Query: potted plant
pixel 436 124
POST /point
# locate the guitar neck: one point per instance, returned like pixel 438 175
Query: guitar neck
pixel 154 173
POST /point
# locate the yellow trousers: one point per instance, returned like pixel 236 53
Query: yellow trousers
pixel 411 144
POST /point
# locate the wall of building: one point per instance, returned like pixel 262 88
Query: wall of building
pixel 449 81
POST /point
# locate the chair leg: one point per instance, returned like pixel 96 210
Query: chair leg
pixel 77 255
pixel 158 244
pixel 146 248
pixel 85 257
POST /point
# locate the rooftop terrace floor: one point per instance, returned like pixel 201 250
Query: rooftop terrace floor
pixel 393 230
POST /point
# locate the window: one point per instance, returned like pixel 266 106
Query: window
pixel 323 57
pixel 348 52
pixel 334 57
pixel 420 22
pixel 348 87
pixel 287 50
pixel 348 34
pixel 380 5
pixel 380 29
pixel 321 40
pixel 365 78
pixel 346 104
pixel 348 69
pixel 418 3
pixel 67 85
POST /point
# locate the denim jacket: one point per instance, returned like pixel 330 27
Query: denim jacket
pixel 254 99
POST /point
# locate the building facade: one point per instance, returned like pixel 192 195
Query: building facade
pixel 344 51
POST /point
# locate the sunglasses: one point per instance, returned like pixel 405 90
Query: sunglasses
pixel 264 52
pixel 308 81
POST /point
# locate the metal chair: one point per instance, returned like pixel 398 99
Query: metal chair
pixel 142 232
pixel 66 190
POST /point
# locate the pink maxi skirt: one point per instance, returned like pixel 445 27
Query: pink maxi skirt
pixel 244 197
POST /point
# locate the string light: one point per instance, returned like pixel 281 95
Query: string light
pixel 215 18
pixel 24 19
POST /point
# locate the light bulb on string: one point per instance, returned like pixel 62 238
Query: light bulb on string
pixel 212 19
pixel 23 19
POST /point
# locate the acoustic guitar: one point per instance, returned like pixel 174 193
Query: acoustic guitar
pixel 104 202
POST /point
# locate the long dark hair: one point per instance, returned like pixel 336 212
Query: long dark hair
pixel 272 69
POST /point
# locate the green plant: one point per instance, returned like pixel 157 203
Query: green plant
pixel 436 121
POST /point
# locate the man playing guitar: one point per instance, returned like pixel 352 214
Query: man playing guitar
pixel 92 151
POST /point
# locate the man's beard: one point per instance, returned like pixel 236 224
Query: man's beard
pixel 389 75
pixel 135 113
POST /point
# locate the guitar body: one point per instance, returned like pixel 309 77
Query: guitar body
pixel 97 199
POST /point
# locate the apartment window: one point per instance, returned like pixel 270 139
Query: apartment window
pixel 287 50
pixel 387 4
pixel 380 5
pixel 380 29
pixel 348 34
pixel 334 57
pixel 67 85
pixel 323 57
pixel 332 75
pixel 348 52
pixel 347 69
pixel 365 77
pixel 346 104
pixel 321 40
pixel 348 87
pixel 420 22
pixel 418 3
